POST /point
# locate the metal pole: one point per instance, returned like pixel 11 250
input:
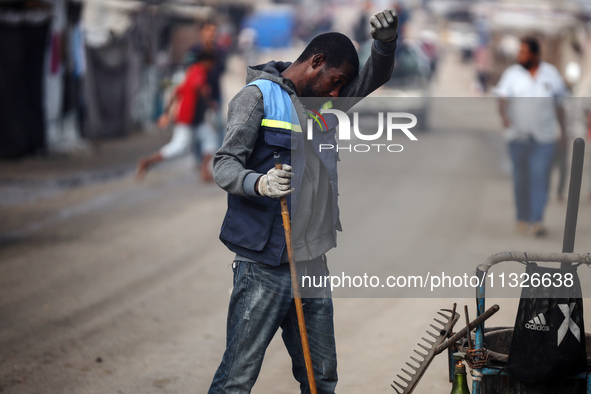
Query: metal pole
pixel 574 192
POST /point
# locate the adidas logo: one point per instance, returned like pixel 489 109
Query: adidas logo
pixel 538 323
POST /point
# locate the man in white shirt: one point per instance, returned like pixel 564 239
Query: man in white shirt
pixel 530 107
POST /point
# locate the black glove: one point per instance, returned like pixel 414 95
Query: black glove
pixel 384 25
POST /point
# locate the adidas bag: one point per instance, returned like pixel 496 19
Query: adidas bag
pixel 549 336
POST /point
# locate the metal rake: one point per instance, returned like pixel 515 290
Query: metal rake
pixel 441 341
pixel 430 348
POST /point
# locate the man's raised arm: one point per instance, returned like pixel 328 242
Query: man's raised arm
pixel 378 68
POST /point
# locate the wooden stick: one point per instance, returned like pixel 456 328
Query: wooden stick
pixel 296 287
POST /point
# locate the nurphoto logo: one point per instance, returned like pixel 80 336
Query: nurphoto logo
pixel 395 122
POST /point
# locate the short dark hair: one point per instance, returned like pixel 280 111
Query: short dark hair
pixel 532 43
pixel 337 49
pixel 204 56
pixel 208 22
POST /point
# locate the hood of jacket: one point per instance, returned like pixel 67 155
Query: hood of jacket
pixel 271 71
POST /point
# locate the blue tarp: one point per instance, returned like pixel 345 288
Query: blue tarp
pixel 274 27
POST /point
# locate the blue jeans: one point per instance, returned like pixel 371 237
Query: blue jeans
pixel 532 162
pixel 261 303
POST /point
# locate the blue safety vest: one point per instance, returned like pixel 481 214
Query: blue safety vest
pixel 253 226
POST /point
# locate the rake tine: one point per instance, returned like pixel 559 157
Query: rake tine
pixel 446 317
pixel 405 380
pixel 406 372
pixel 426 353
pixel 401 386
pixel 395 389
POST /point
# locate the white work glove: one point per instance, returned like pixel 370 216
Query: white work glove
pixel 384 25
pixel 276 183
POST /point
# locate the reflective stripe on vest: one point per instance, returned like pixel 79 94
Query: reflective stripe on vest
pixel 280 124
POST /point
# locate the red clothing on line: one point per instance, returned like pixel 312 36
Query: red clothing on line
pixel 187 91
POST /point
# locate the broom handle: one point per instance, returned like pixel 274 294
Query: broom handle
pixel 296 287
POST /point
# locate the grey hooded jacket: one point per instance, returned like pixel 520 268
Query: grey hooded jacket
pixel 312 222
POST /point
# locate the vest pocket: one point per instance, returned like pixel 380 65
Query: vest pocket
pixel 280 138
pixel 248 222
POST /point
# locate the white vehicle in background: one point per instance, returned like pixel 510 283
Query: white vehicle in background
pixel 463 37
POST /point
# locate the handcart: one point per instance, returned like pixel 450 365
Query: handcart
pixel 489 355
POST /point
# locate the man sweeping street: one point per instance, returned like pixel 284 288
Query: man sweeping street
pixel 265 120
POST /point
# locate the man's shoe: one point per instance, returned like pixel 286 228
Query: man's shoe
pixel 538 230
pixel 522 227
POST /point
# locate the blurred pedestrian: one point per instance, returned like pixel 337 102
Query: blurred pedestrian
pixel 530 108
pixel 482 59
pixel 360 33
pixel 428 41
pixel 482 66
pixel 208 43
pixel 188 105
pixel 260 122
pixel 403 12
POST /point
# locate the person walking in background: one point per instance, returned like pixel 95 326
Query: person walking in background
pixel 482 60
pixel 360 33
pixel 188 103
pixel 482 66
pixel 260 123
pixel 530 108
pixel 208 44
pixel 403 12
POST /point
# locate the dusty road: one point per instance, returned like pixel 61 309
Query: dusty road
pixel 120 287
